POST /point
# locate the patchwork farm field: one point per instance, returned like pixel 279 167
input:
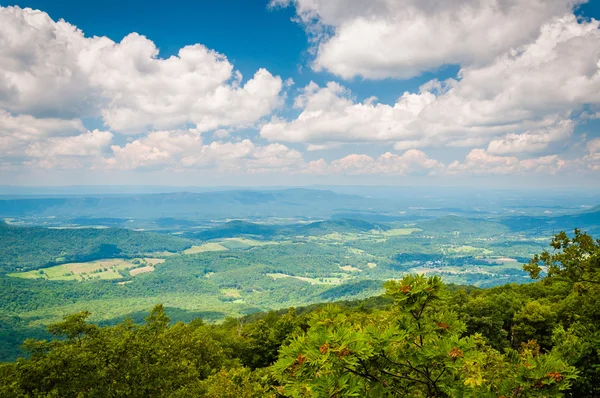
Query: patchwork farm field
pixel 207 247
pixel 107 269
pixel 227 244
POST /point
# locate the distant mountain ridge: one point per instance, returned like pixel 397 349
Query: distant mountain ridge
pixel 240 228
pixel 588 220
pixel 232 204
pixel 450 223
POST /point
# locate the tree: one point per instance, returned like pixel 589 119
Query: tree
pixel 577 259
pixel 150 360
pixel 414 349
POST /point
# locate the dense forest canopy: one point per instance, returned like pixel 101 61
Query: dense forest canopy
pixel 422 338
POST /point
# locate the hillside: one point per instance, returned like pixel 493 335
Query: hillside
pixel 265 231
pixel 25 248
pixel 588 219
pixel 450 224
pixel 236 228
pixel 340 225
pixel 383 346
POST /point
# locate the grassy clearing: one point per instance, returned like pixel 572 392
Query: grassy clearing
pixel 248 242
pixel 313 281
pixel 469 250
pixel 356 251
pixel 231 293
pixel 161 254
pixel 141 270
pixel 350 268
pixel 153 261
pixel 107 269
pixel 500 260
pixel 401 231
pixel 207 247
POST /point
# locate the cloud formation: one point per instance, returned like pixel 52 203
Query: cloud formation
pixel 521 102
pixel 181 150
pixel 529 82
pixel 390 38
pixel 50 69
pixel 412 162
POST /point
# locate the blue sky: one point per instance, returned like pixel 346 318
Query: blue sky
pixel 361 92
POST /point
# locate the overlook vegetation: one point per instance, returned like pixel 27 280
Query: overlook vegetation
pixel 103 263
pixel 422 338
pixel 232 268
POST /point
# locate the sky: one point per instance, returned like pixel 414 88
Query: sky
pixel 499 93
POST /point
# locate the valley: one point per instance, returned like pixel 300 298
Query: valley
pixel 219 268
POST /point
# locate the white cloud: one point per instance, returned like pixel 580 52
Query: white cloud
pixel 157 148
pixel 557 73
pixel 17 132
pixel 392 38
pixel 480 162
pixel 181 150
pixel 530 71
pixel 532 141
pixel 592 159
pixel 245 157
pixel 521 102
pixel 412 162
pixel 50 68
pixel 57 163
pixel 330 115
pixel 91 143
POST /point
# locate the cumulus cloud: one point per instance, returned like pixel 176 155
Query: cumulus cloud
pixel 532 141
pixel 412 162
pixel 530 72
pixel 479 161
pixel 592 160
pixel 182 150
pixel 17 132
pixel 91 143
pixel 558 72
pixel 329 114
pixel 522 101
pixel 50 69
pixel 415 162
pixel 391 38
pixel 156 148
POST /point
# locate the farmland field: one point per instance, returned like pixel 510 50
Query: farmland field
pixel 207 247
pixel 106 269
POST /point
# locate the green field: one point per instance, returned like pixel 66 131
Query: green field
pixel 313 281
pixel 400 231
pixel 107 269
pixel 244 243
pixel 228 244
pixel 207 247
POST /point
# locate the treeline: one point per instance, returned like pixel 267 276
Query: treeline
pixel 27 248
pixel 422 339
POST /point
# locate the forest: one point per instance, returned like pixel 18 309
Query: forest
pixel 421 338
pixel 220 268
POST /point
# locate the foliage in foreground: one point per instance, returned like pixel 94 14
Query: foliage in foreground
pixel 536 340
